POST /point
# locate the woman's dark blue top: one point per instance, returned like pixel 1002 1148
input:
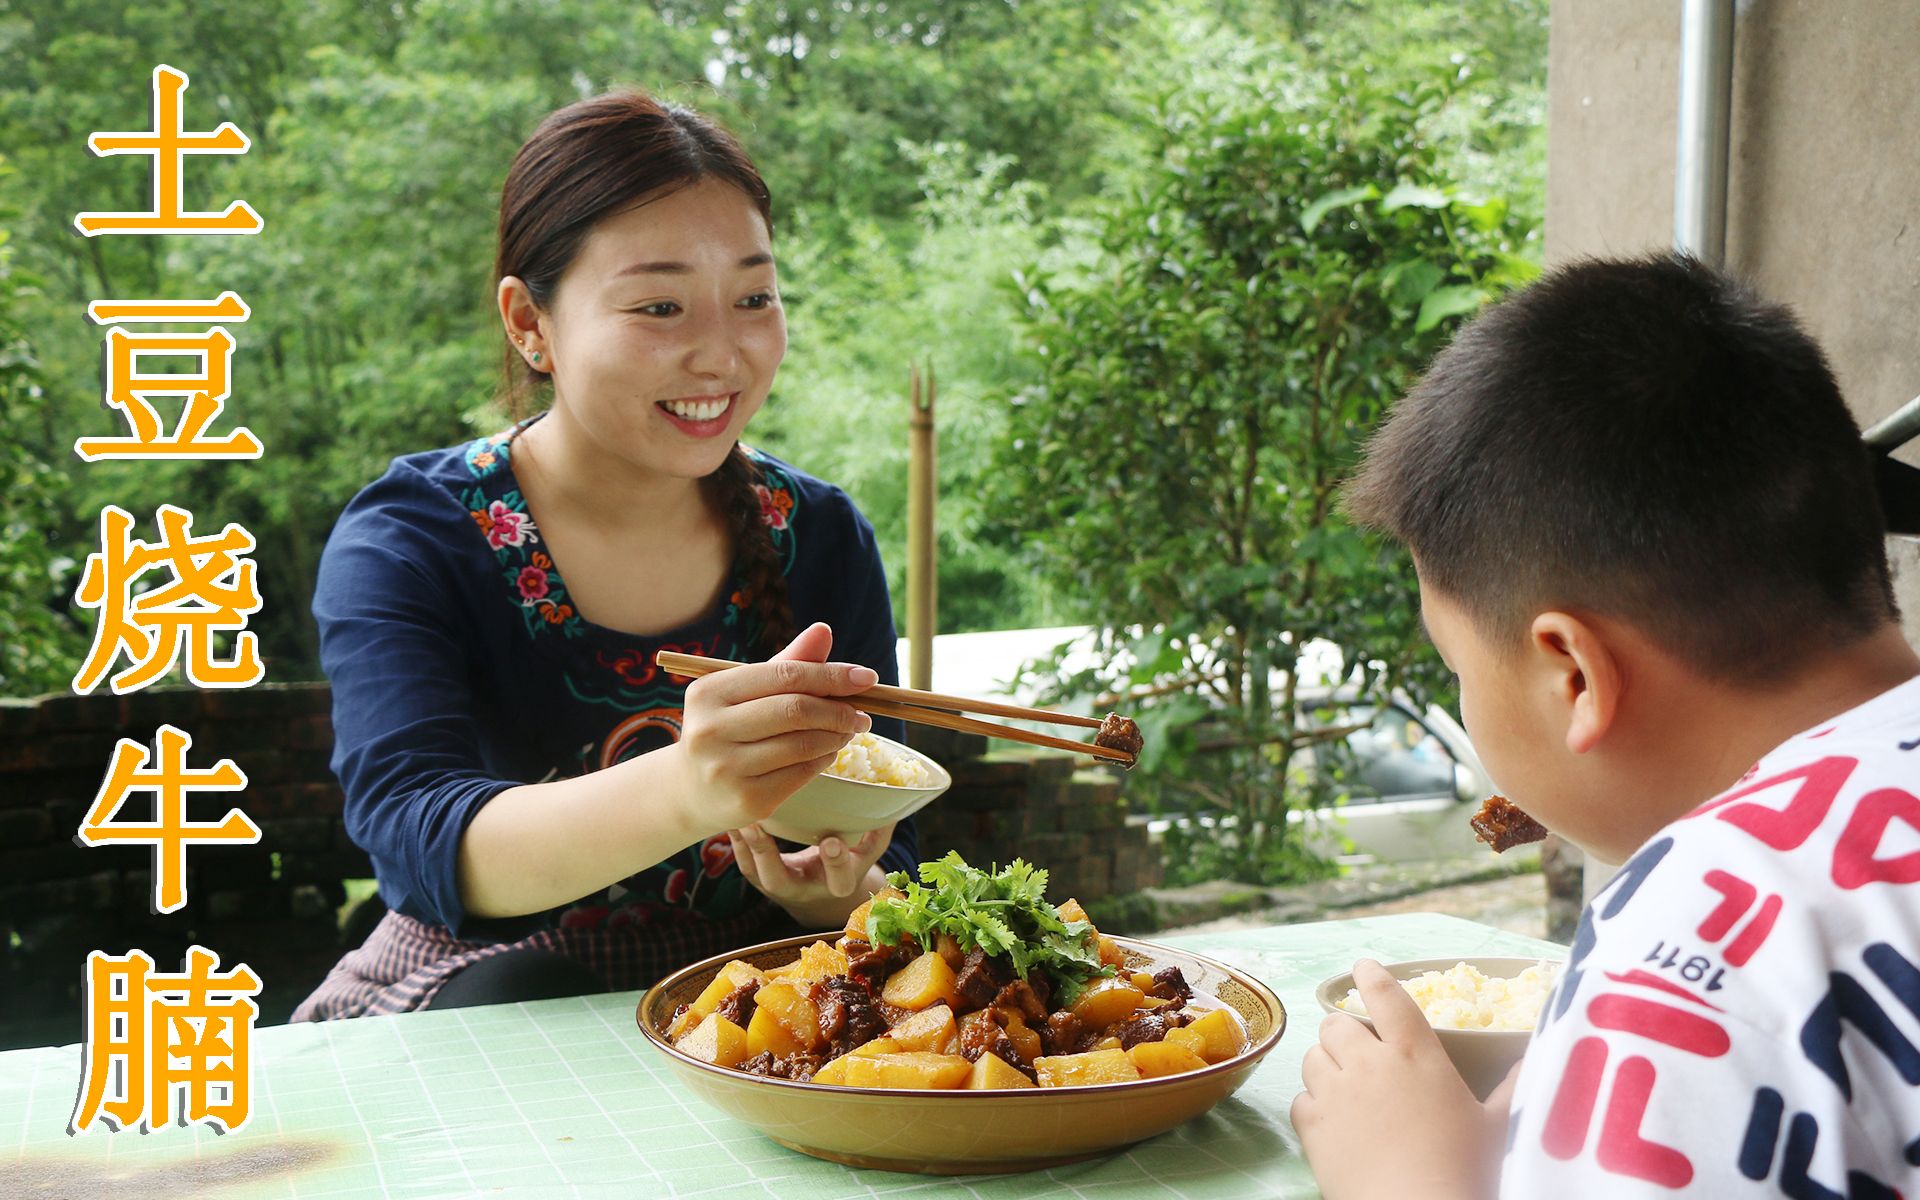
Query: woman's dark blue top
pixel 460 669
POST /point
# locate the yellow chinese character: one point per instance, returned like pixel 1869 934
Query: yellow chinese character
pixel 170 831
pixel 152 1036
pixel 211 590
pixel 206 390
pixel 168 143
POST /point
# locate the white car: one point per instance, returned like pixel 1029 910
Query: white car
pixel 1409 777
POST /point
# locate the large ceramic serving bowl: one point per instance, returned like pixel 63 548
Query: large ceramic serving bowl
pixel 847 808
pixel 1482 1056
pixel 959 1132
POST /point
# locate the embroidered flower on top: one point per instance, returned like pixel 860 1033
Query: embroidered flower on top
pixel 716 855
pixel 488 454
pixel 503 526
pixel 533 584
pixel 775 505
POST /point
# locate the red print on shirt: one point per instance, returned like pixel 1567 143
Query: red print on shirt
pixel 1737 897
pixel 1620 1149
pixel 1787 828
pixel 1854 864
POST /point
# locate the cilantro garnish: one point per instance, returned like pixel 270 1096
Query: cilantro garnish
pixel 1003 911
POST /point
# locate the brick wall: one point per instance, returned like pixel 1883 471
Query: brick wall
pixel 275 905
pixel 1039 805
pixel 271 905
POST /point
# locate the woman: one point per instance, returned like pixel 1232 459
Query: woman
pixel 548 813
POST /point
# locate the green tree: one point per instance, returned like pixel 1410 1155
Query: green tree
pixel 918 153
pixel 40 644
pixel 1296 258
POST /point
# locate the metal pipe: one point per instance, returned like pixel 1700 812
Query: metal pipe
pixel 1896 429
pixel 1705 118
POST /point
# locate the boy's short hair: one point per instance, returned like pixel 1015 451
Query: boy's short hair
pixel 1644 439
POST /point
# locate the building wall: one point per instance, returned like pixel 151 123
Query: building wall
pixel 1824 177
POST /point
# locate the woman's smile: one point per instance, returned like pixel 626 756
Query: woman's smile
pixel 700 416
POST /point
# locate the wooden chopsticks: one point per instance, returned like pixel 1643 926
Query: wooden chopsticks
pixel 933 708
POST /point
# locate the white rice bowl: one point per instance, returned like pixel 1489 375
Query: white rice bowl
pixel 1463 998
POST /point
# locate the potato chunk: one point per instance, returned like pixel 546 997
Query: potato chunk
pixel 816 962
pixel 730 977
pixel 922 983
pixel 908 1069
pixel 767 1033
pixel 716 1040
pixel 1154 1059
pixel 1078 1070
pixel 928 1029
pixel 1106 1001
pixel 1025 1039
pixel 1215 1037
pixel 991 1073
pixel 857 919
pixel 784 1021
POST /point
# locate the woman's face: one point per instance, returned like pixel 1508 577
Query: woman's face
pixel 667 329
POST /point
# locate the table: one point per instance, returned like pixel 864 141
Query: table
pixel 564 1098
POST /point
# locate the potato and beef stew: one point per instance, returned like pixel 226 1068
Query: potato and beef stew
pixel 962 979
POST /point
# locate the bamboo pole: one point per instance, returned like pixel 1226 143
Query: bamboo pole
pixel 922 574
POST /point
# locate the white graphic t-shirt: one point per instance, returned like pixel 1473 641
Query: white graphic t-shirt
pixel 1740 1015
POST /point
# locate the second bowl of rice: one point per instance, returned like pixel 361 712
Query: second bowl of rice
pixel 1482 1009
pixel 873 781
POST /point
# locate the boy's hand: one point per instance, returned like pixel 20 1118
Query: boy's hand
pixel 1388 1115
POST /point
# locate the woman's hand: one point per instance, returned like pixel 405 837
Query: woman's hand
pixel 818 886
pixel 754 733
pixel 1379 1110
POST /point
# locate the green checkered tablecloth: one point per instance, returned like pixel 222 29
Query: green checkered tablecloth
pixel 564 1098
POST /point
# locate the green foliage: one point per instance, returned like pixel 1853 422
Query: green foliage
pixel 918 155
pixel 1002 912
pixel 1175 468
pixel 40 644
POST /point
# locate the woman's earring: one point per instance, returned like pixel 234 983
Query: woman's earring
pixel 536 358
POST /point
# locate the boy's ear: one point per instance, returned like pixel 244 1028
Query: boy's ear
pixel 1585 675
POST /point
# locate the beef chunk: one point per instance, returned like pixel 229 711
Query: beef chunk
pixel 1042 989
pixel 872 964
pixel 1062 1033
pixel 1502 824
pixel 1170 984
pixel 983 1033
pixel 981 977
pixel 1020 997
pixel 849 1015
pixel 738 1006
pixel 977 1031
pixel 1143 1027
pixel 797 1067
pixel 1119 733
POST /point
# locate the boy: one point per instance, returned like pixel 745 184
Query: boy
pixel 1649 546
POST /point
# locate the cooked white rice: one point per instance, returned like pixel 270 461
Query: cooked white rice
pixel 868 759
pixel 1462 998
